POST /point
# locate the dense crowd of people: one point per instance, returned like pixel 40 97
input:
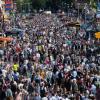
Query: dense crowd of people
pixel 51 61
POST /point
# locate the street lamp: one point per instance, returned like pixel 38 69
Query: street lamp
pixel 21 2
pixel 68 10
pixel 65 6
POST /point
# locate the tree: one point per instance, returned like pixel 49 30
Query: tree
pixel 23 5
pixel 39 4
pixel 60 4
pixel 53 5
pixel 93 3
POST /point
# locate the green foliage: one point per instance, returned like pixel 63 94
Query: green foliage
pixel 23 5
pixel 93 3
pixel 49 4
pixel 37 4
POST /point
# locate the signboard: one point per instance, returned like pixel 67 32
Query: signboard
pixel 97 35
pixel 8 5
pixel 98 6
pixel 98 10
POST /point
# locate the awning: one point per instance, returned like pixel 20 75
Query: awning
pixel 7 39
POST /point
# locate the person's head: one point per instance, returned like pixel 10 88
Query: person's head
pixel 9 86
pixel 74 81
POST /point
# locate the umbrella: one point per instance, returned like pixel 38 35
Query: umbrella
pixel 7 39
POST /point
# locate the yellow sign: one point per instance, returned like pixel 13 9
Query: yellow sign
pixel 97 35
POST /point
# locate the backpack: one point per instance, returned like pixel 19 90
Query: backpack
pixel 60 75
pixel 37 80
pixel 42 92
pixel 82 88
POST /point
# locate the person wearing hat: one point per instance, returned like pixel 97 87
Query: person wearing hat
pixel 15 67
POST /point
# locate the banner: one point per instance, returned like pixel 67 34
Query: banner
pixel 97 35
pixel 8 5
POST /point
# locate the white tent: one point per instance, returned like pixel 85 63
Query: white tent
pixel 98 16
pixel 47 12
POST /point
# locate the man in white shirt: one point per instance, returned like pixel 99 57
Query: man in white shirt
pixel 44 98
pixel 53 98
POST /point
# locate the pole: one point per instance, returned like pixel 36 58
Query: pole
pixel 68 10
pixel 21 9
pixel 85 13
pixel 78 12
pixel 28 7
pixel 3 22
